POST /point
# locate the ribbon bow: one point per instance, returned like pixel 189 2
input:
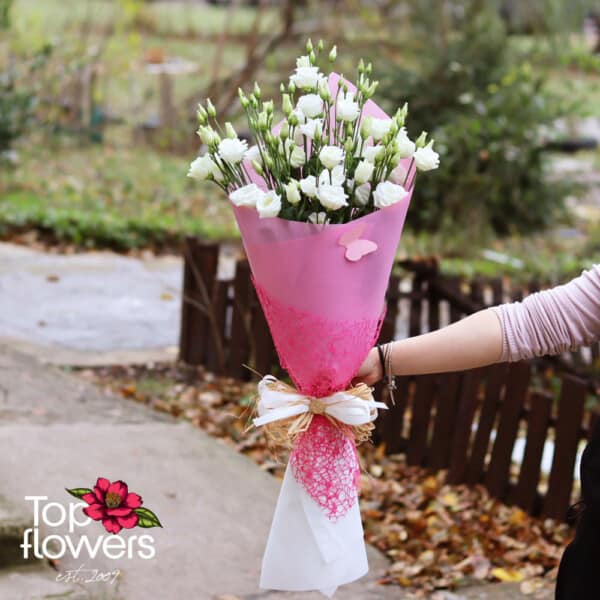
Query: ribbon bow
pixel 278 401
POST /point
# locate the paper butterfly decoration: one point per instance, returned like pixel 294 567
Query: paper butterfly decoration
pixel 356 247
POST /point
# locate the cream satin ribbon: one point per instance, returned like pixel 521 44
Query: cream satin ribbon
pixel 278 401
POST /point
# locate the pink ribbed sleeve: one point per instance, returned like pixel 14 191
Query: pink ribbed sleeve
pixel 552 321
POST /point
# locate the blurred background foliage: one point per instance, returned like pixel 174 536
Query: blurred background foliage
pixel 98 97
pixel 490 112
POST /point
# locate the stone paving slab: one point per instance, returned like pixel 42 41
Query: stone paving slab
pixel 89 301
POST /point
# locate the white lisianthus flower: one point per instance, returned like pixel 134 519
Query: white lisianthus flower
pixel 253 153
pixel 202 168
pixel 406 147
pixel 377 128
pixel 346 109
pixel 362 193
pixel 310 127
pixel 323 88
pixel 298 157
pixel 371 152
pixel 302 61
pixel 331 156
pixel 398 175
pixel 334 177
pixel 306 78
pixel 318 218
pixel 269 205
pixel 427 158
pixel 332 197
pixel 311 105
pixel 248 195
pixel 298 137
pixel 299 115
pixel 287 145
pixel 308 185
pixel 387 193
pixel 292 193
pixel 232 151
pixel 363 171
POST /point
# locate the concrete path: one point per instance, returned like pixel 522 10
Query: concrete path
pixel 215 504
pixel 93 308
pixel 57 431
pixel 94 301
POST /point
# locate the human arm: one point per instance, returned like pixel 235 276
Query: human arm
pixel 547 322
pixel 474 341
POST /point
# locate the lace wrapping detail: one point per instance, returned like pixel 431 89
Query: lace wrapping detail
pixel 325 462
pixel 321 356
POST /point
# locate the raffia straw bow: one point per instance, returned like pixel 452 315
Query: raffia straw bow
pixel 286 413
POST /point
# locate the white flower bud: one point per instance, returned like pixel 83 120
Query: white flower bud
pixel 420 141
pixel 298 157
pixel 230 131
pixel 363 171
pixel 286 104
pixel 292 193
pixel 210 109
pixel 406 147
pixel 362 193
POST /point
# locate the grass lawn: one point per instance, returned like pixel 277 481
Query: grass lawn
pixel 95 196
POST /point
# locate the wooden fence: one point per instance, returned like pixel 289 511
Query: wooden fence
pixel 466 422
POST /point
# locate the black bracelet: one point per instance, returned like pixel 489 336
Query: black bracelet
pixel 381 360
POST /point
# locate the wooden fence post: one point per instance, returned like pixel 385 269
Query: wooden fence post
pixel 495 377
pixel 498 474
pixel 467 404
pixel 199 275
pixel 239 346
pixel 421 417
pixel 568 434
pixel 525 493
pixel 445 421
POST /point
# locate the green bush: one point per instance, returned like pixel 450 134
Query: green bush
pixel 487 109
pixel 18 95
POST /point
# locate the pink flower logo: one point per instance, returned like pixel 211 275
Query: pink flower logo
pixel 114 505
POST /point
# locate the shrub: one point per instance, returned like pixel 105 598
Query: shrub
pixel 18 95
pixel 487 110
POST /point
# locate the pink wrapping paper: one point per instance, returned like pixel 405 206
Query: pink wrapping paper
pixel 324 312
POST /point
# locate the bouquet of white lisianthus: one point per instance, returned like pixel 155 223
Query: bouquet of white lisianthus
pixel 325 161
pixel 320 201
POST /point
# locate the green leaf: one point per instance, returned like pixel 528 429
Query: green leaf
pixel 146 517
pixel 79 492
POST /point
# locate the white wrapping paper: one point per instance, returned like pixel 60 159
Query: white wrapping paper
pixel 305 550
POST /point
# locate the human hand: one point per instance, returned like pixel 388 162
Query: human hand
pixel 370 371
